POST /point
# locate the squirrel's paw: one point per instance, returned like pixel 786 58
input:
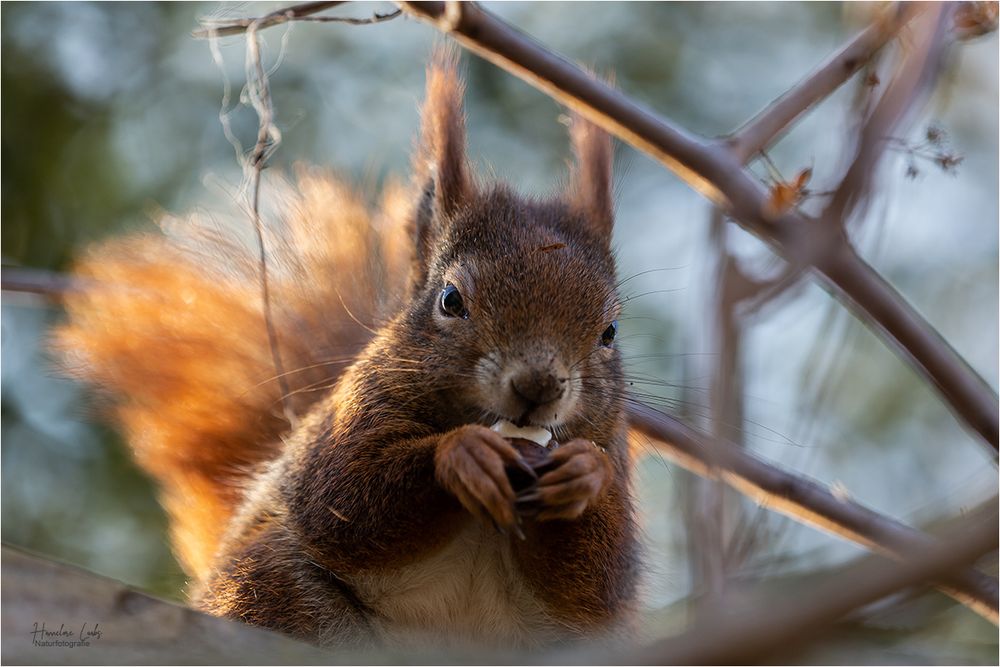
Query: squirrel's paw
pixel 578 475
pixel 470 463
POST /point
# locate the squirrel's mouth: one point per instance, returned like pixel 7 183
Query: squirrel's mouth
pixel 524 400
pixel 523 420
pixel 548 416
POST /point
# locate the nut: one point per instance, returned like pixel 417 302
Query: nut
pixel 535 456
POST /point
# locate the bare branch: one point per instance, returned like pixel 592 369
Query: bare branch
pixel 713 509
pixel 914 78
pixel 766 127
pixel 744 635
pixel 919 344
pixel 225 28
pixel 713 170
pixel 268 137
pixel 804 500
pixel 762 293
pixel 866 290
pixel 301 13
pixel 37 281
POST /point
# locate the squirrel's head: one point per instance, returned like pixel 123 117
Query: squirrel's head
pixel 515 300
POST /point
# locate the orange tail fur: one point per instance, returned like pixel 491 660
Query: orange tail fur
pixel 170 328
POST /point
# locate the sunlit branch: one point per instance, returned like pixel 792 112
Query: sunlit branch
pixel 803 499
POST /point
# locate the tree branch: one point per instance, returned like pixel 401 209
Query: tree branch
pixel 914 77
pixel 268 137
pixel 127 626
pixel 714 511
pixel 803 500
pixel 766 127
pixel 922 346
pixel 745 635
pixel 37 281
pixel 712 169
pixel 303 12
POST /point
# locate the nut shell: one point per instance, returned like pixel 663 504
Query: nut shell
pixel 535 456
pixel 532 453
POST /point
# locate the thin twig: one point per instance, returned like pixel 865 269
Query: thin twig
pixel 767 126
pixel 803 499
pixel 712 169
pixel 914 79
pixel 225 27
pixel 350 20
pixel 765 292
pixel 37 281
pixel 301 13
pixel 268 137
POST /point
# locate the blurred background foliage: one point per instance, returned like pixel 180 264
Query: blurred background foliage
pixel 110 115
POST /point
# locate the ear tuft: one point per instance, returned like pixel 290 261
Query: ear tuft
pixel 590 182
pixel 440 167
pixel 441 155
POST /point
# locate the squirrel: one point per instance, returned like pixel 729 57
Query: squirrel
pixel 389 512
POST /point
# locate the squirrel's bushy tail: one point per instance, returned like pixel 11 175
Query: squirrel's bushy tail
pixel 170 328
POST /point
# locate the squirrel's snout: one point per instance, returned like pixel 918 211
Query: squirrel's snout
pixel 539 393
pixel 527 389
pixel 537 387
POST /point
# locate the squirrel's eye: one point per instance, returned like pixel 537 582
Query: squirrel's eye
pixel 452 304
pixel 608 336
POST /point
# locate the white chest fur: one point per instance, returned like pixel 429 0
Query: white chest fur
pixel 468 593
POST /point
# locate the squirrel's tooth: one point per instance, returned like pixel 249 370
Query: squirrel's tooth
pixel 536 434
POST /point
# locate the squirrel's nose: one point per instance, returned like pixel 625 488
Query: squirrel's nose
pixel 537 387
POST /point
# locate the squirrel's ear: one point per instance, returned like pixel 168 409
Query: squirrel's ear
pixel 590 182
pixel 441 156
pixel 440 165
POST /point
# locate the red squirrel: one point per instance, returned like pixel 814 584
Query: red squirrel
pixel 391 512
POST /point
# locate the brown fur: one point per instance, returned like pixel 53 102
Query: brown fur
pixel 387 513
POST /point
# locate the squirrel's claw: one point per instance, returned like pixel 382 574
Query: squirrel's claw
pixel 528 496
pixel 470 464
pixel 580 475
